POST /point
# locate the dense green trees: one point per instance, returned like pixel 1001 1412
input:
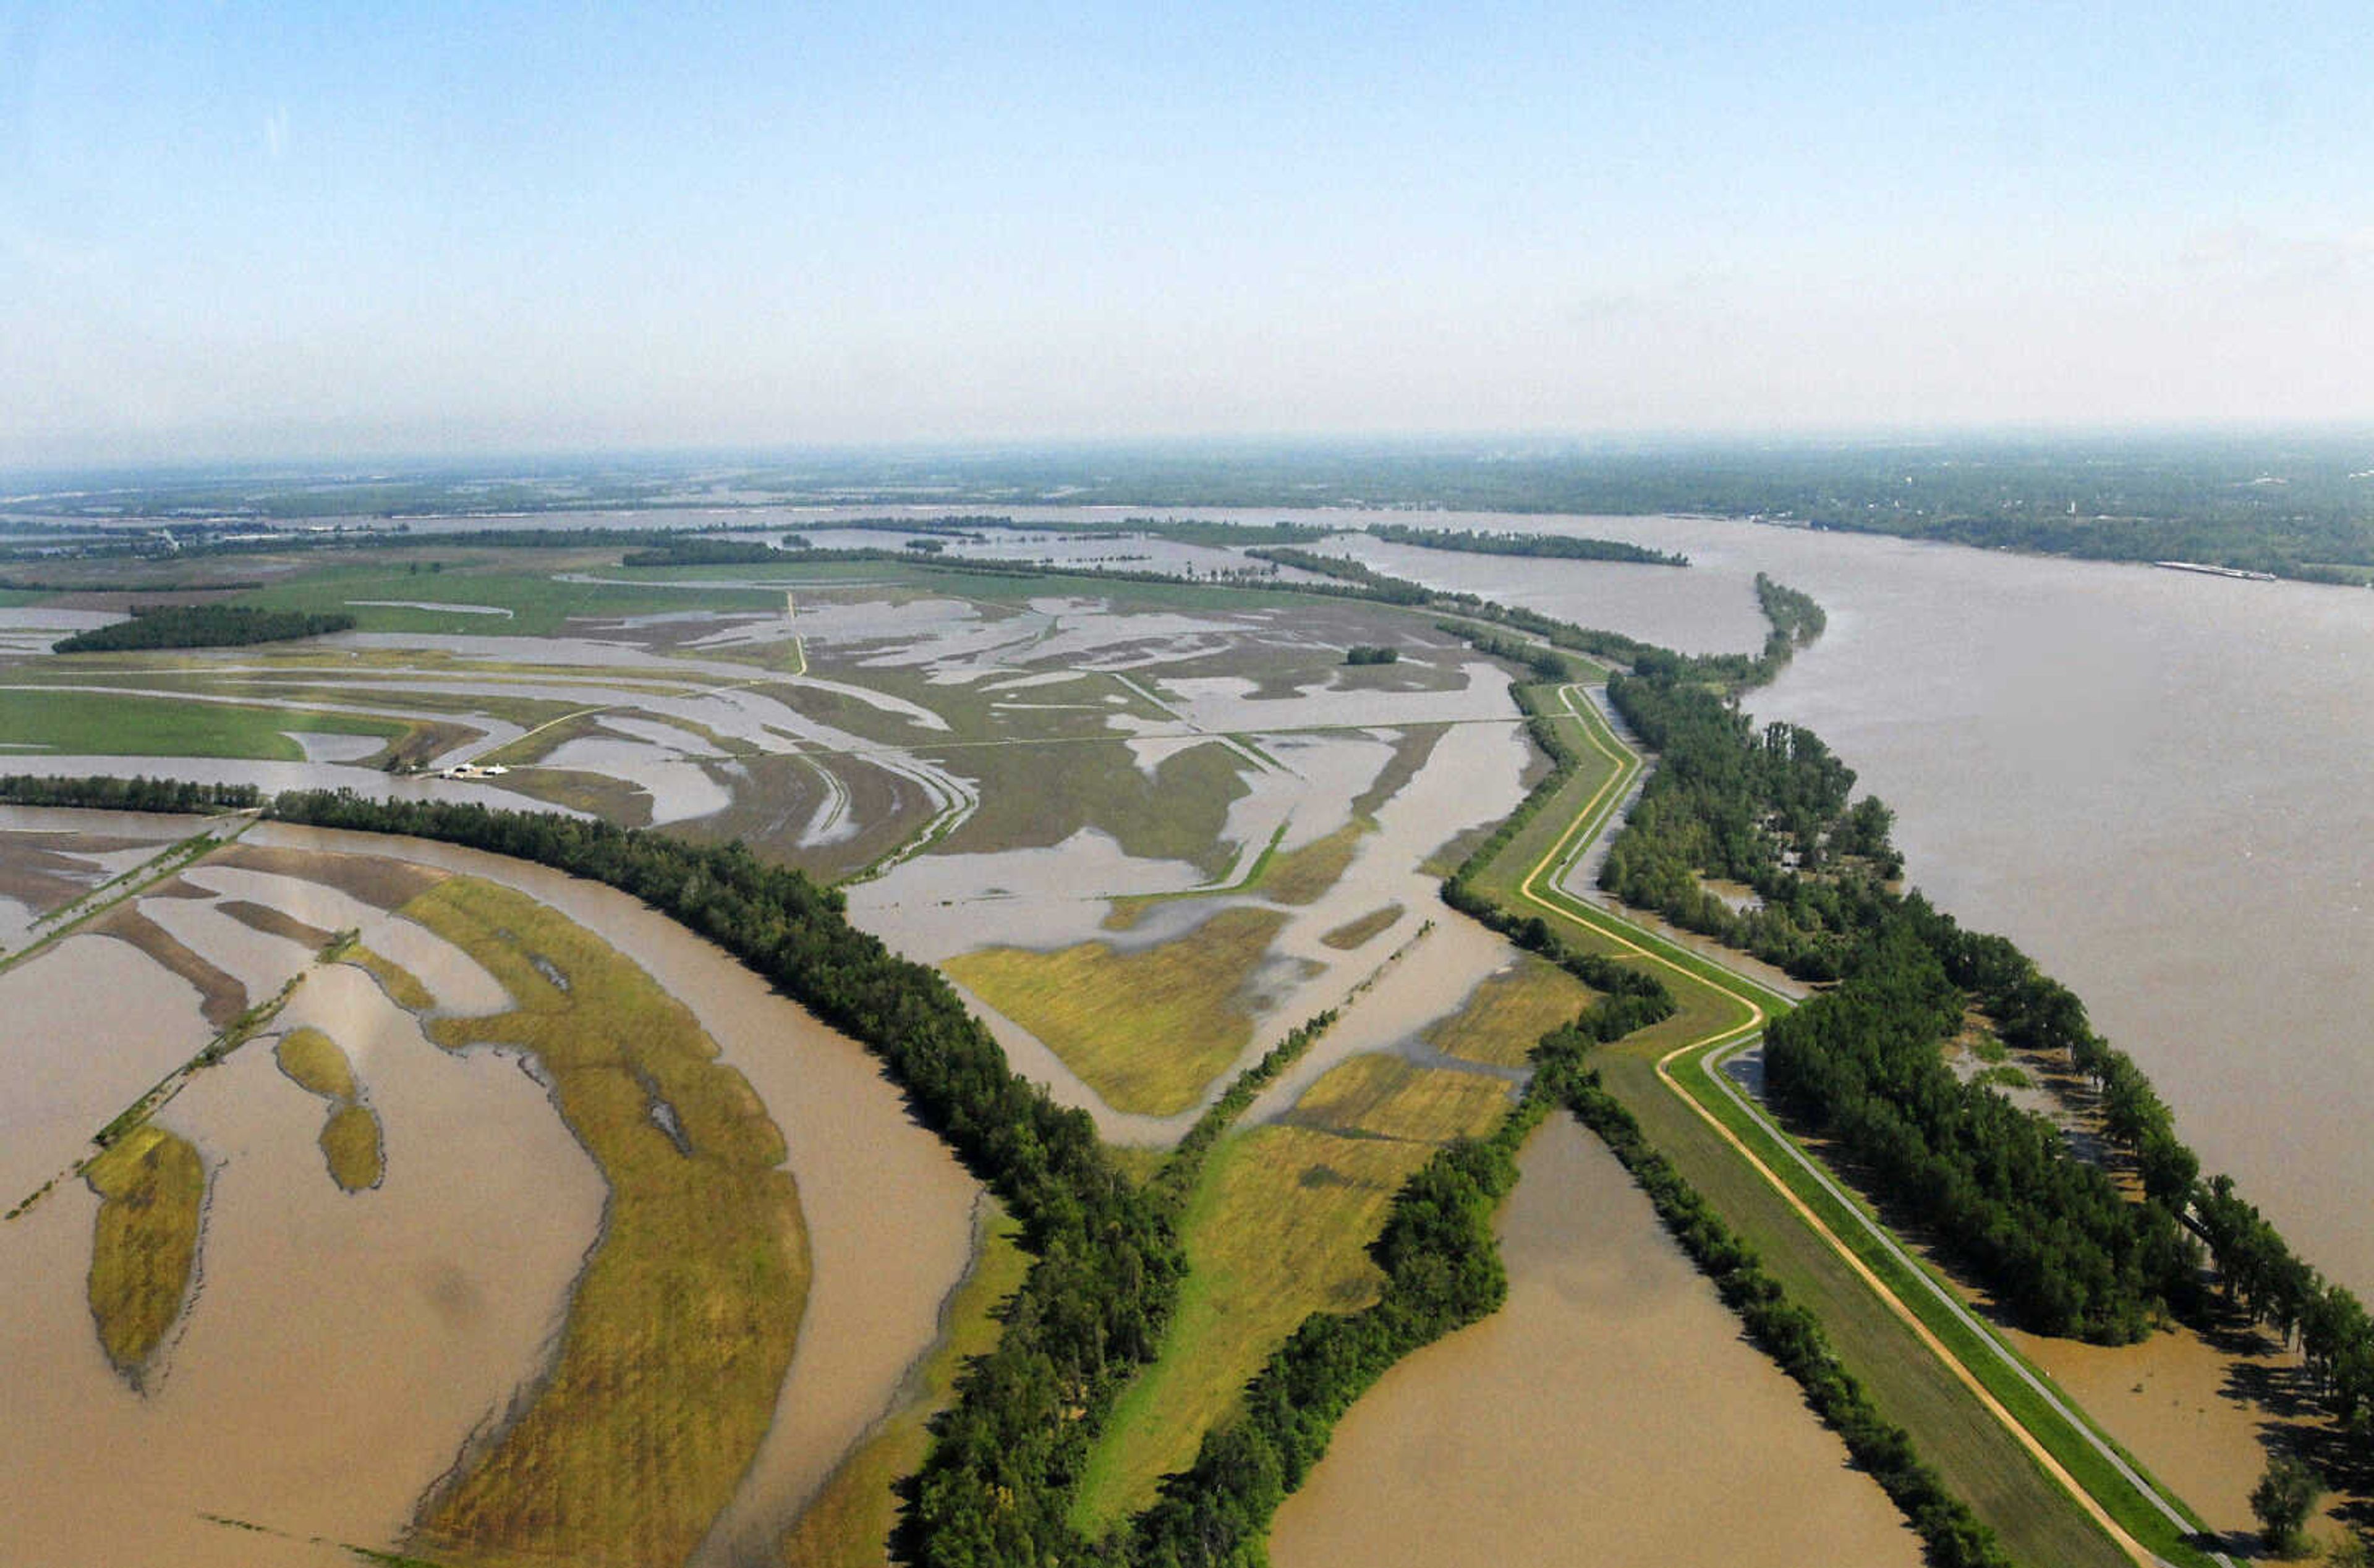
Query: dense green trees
pixel 1765 808
pixel 707 552
pixel 1563 546
pixel 2060 1245
pixel 1370 653
pixel 201 625
pixel 134 794
pixel 2282 1501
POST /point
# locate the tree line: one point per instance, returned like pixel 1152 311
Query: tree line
pixel 139 794
pixel 1562 546
pixel 201 625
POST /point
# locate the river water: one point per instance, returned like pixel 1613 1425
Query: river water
pixel 2159 784
pixel 1610 1412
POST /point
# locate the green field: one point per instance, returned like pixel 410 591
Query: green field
pixel 152 1189
pixel 1277 1229
pixel 1149 1030
pixel 682 1325
pixel 1510 1012
pixel 540 604
pixel 78 723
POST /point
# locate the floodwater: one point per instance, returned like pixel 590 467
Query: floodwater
pixel 858 1158
pixel 343 1346
pixel 340 1348
pixel 1610 1412
pixel 2156 782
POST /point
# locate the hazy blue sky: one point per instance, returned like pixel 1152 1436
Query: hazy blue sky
pixel 262 229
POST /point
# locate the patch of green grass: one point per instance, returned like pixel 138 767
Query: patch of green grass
pixel 1304 875
pixel 1033 797
pixel 1278 1228
pixel 540 604
pixel 1387 1096
pixel 1504 1017
pixel 350 1143
pixel 152 1189
pixel 848 1524
pixel 2003 1075
pixel 402 986
pixel 1149 1030
pixel 315 1063
pixel 101 723
pixel 1356 933
pixel 682 1323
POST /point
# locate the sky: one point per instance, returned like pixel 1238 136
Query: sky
pixel 236 230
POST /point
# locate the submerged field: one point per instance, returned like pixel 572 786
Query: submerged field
pixel 685 1274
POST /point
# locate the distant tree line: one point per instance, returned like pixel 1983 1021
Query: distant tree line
pixel 104 792
pixel 1564 547
pixel 201 625
pixel 697 552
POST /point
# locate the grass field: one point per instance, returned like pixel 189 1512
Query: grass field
pixel 1304 875
pixel 402 986
pixel 1352 933
pixel 1147 1030
pixel 848 1526
pixel 350 1143
pixel 1034 795
pixel 152 1189
pixel 1277 1229
pixel 683 1322
pixel 1510 1011
pixel 540 604
pixel 315 1063
pixel 350 1137
pixel 107 724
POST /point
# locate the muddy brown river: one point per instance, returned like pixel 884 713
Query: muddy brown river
pixel 341 1348
pixel 1610 1412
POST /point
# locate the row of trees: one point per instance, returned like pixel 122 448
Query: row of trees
pixel 1563 546
pixel 201 625
pixel 2053 1236
pixel 1787 1332
pixel 134 794
pixel 698 550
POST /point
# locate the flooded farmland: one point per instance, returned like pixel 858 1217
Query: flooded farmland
pixel 1561 1427
pixel 391 1326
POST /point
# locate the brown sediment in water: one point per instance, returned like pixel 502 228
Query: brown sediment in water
pixel 223 997
pixel 2202 1410
pixel 854 1150
pixel 1610 1410
pixel 273 922
pixel 380 881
